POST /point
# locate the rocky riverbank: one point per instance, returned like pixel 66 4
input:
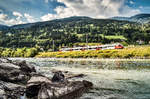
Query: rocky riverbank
pixel 18 78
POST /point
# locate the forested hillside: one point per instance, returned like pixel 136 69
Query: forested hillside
pixel 66 32
pixel 140 18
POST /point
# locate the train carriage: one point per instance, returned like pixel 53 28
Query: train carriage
pixel 100 47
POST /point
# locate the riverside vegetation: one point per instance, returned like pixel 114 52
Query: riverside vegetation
pixel 19 52
pixel 130 52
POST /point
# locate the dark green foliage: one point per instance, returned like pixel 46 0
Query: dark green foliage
pixel 66 32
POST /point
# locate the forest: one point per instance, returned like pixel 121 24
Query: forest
pixel 58 33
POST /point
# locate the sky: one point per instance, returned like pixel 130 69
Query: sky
pixel 14 12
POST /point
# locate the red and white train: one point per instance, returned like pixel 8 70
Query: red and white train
pixel 100 47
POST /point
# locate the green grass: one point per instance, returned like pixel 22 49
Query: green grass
pixel 114 37
pixel 109 36
pixel 84 44
pixel 79 35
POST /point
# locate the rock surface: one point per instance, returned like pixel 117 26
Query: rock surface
pixel 15 72
pixel 56 89
pixel 13 77
pixel 69 75
pixel 11 91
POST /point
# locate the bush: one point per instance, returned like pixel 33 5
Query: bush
pixel 124 43
pixel 31 52
pixel 7 52
pixel 19 52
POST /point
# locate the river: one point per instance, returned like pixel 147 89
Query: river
pixel 112 78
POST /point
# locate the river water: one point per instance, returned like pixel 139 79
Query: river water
pixel 112 78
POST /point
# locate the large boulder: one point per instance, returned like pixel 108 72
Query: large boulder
pixel 15 72
pixel 14 75
pixel 11 91
pixel 41 87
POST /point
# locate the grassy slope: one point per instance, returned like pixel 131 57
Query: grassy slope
pixel 116 37
pixel 109 36
pixel 130 52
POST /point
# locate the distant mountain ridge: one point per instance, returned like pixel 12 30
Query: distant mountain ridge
pixel 140 18
pixel 3 27
pixel 28 25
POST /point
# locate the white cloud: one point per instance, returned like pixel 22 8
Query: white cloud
pixel 48 17
pixel 92 8
pixel 13 22
pixel 29 18
pixel 131 2
pixel 5 20
pixel 1 10
pixel 17 14
pixel 141 7
pixel 46 1
pixel 3 17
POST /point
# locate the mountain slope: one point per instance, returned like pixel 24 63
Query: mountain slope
pixel 3 27
pixel 121 18
pixel 70 22
pixel 22 26
pixel 68 31
pixel 69 19
pixel 140 18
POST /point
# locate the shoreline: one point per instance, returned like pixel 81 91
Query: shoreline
pixel 85 59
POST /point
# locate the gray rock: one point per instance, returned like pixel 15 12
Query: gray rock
pixel 1 93
pixel 11 91
pixel 15 72
pixel 47 89
pixel 13 75
pixel 58 77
